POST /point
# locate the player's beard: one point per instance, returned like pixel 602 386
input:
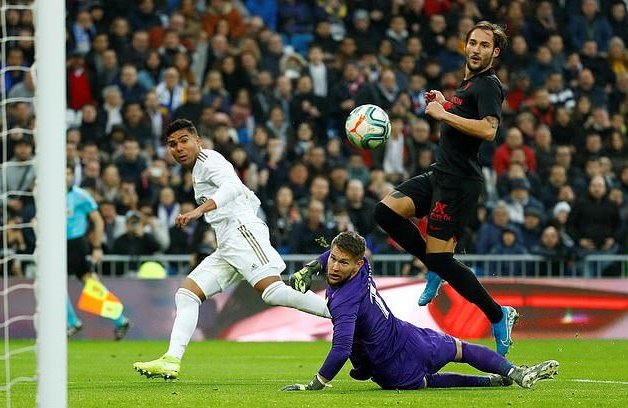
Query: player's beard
pixel 484 62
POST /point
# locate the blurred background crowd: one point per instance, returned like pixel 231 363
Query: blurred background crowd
pixel 269 84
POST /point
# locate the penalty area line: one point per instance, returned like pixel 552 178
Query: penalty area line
pixel 584 380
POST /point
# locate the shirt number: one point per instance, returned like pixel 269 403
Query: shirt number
pixel 374 296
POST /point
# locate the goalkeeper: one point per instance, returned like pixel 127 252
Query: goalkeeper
pixel 391 352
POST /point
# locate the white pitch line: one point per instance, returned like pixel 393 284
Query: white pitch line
pixel 597 381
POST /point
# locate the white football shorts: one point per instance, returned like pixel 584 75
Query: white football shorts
pixel 245 253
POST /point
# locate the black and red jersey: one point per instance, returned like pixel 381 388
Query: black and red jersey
pixel 476 98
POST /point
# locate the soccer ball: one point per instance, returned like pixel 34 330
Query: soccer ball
pixel 367 127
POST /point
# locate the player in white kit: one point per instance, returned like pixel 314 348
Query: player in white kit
pixel 244 249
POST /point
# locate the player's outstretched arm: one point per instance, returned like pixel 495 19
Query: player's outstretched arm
pixel 317 383
pixel 301 280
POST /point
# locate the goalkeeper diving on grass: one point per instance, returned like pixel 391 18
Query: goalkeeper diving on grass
pixel 391 352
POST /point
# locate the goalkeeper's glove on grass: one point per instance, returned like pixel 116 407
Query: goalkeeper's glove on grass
pixel 315 385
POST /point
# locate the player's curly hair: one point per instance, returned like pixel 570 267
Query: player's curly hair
pixel 500 39
pixel 350 242
pixel 179 124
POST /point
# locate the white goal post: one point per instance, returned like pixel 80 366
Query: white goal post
pixel 51 280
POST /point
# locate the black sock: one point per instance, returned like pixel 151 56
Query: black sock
pixel 402 230
pixel 461 278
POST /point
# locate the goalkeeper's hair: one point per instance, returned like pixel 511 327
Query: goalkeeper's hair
pixel 350 242
pixel 180 124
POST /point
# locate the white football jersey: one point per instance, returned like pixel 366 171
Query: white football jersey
pixel 214 177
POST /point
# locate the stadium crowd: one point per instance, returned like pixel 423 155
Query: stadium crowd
pixel 269 84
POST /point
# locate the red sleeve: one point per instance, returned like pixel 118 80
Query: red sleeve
pixel 501 158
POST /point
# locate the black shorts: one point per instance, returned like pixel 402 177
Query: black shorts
pixel 78 265
pixel 449 201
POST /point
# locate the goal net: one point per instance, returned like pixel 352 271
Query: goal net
pixel 32 199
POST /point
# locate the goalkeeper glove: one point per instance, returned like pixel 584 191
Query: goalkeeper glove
pixel 315 385
pixel 301 280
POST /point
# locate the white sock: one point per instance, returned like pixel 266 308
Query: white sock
pixel 184 322
pixel 280 294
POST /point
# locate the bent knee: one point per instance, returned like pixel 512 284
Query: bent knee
pixel 400 204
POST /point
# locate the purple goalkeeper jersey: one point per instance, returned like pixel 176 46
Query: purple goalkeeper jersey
pixel 364 328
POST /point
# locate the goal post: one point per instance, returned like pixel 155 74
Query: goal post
pixel 50 199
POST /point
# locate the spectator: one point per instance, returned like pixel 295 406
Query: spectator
pixel 223 12
pixel 170 92
pixel 564 130
pixel 214 93
pixel 587 87
pixel 139 50
pixel 532 227
pixel 541 68
pixel 590 26
pixel 514 140
pixel 130 162
pixel 342 95
pixel 111 110
pixel 383 93
pixel 264 98
pixel 364 34
pixel 489 233
pixel 155 117
pixel 599 65
pixel 151 74
pixel 556 178
pixel 283 215
pixel 185 240
pixel 507 245
pixel 305 234
pixel 319 191
pixel 154 226
pixel 79 80
pixel 144 17
pixel 115 225
pixel 618 150
pixel 321 76
pixel 135 241
pixel 137 124
pixel 192 107
pixel 170 47
pixel 538 29
pixel 575 175
pixel 92 128
pixel 560 218
pixel 619 20
pixel 544 150
pixel 559 95
pixel 132 90
pixel 168 208
pixel 397 153
pixel 24 89
pixel 594 221
pixel 360 208
pixel 557 255
pixel 306 106
pixel 520 199
pixel 19 171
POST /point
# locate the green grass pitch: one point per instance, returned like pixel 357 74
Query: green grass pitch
pixel 225 374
